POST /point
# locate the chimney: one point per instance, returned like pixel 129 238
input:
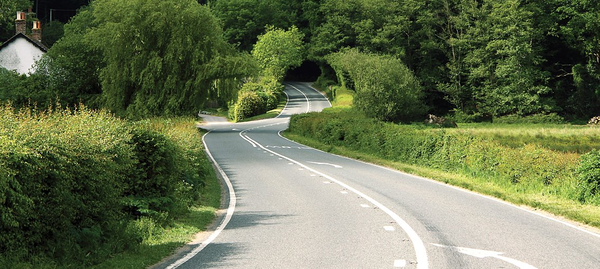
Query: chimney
pixel 20 24
pixel 36 32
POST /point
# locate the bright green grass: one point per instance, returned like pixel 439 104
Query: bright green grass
pixel 560 137
pixel 587 214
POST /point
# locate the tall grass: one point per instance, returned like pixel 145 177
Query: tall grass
pixel 531 173
pixel 559 137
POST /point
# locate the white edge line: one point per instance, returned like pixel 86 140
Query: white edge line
pixel 498 200
pixel 320 94
pixel 242 135
pixel 230 210
pixel 420 250
pixel 305 97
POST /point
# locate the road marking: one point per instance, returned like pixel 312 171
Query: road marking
pixel 344 192
pixel 305 97
pixel 389 228
pixel 229 214
pixel 365 205
pixel 400 263
pixel 486 253
pixel 334 165
pixel 418 245
pixel 242 134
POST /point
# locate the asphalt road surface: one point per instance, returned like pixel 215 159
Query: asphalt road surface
pixel 291 206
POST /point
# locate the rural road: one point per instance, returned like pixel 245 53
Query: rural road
pixel 295 207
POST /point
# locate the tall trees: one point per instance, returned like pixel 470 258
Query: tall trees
pixel 162 57
pixel 384 87
pixel 505 74
pixel 279 50
pixel 244 20
pixel 579 27
pixel 8 14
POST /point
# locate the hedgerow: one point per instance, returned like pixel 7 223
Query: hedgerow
pixel 77 186
pixel 530 169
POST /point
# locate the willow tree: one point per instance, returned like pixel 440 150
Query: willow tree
pixel 163 57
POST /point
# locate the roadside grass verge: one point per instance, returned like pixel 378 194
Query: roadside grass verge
pixel 529 174
pixel 81 188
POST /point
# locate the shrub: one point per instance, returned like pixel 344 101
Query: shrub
pixel 589 177
pixel 248 104
pixel 64 180
pixel 66 174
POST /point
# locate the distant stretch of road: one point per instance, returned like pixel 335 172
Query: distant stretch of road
pixel 291 206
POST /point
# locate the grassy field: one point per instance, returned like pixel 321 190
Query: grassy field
pixel 560 137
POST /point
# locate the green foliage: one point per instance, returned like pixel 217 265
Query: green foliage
pixel 589 177
pixel 249 104
pixel 279 50
pixel 256 98
pixel 385 88
pixel 21 89
pixel 64 176
pixel 71 67
pixel 244 20
pixel 53 31
pixel 529 169
pixel 8 14
pixel 74 182
pixel 158 66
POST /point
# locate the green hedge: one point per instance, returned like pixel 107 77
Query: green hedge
pixel 527 169
pixel 74 184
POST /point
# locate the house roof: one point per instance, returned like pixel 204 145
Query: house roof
pixel 35 43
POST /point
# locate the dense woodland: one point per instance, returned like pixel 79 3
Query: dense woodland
pixel 476 59
pixel 483 58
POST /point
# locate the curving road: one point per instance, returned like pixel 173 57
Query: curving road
pixel 291 206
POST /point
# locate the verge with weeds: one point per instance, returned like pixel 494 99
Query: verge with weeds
pixel 530 174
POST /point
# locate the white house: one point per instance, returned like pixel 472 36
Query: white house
pixel 20 52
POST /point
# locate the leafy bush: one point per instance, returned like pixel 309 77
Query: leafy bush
pixel 248 104
pixel 65 176
pixel 256 98
pixel 589 177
